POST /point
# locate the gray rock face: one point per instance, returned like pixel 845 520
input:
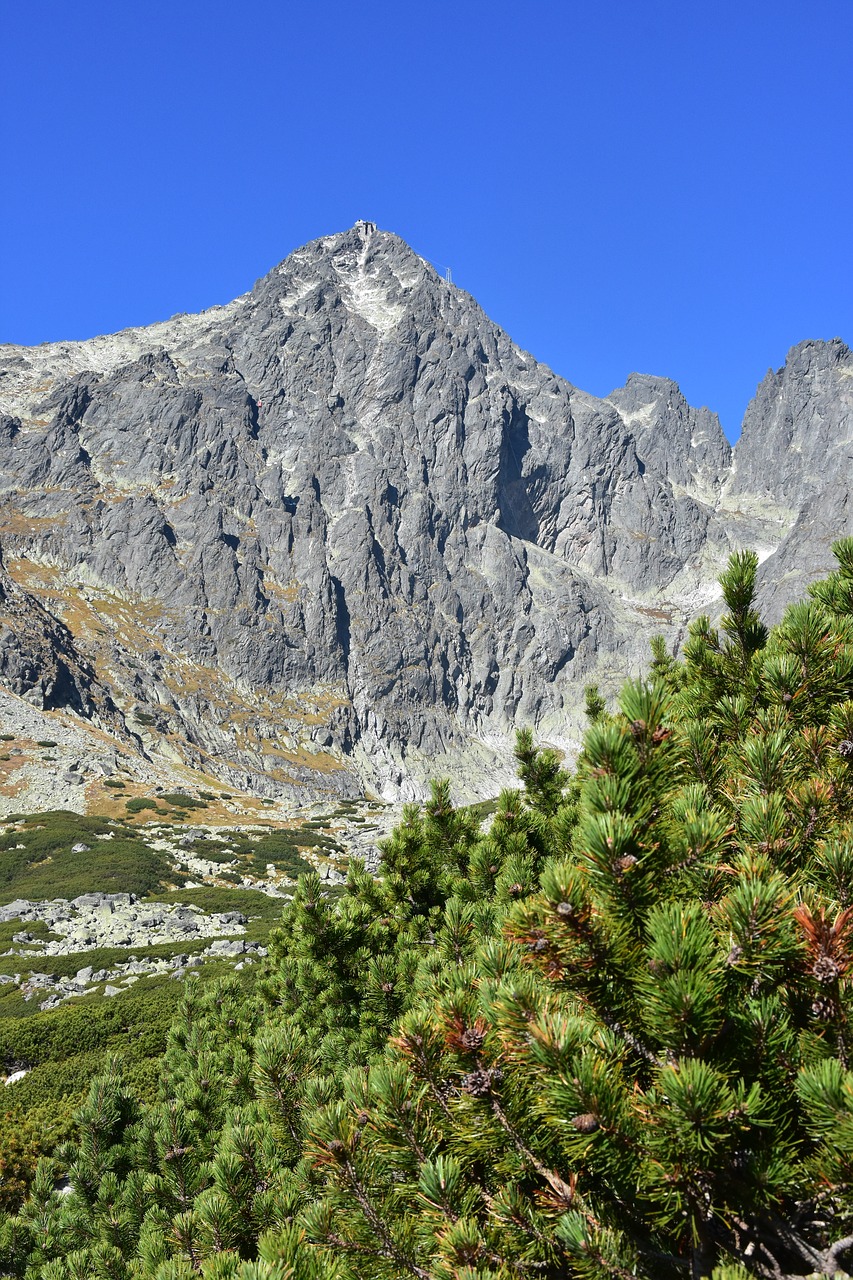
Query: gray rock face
pixel 343 530
pixel 684 444
pixel 793 466
pixel 40 661
pixel 798 431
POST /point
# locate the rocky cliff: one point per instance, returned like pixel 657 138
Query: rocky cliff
pixel 342 531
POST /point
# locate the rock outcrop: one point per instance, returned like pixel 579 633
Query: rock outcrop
pixel 792 467
pixel 343 531
pixel 39 660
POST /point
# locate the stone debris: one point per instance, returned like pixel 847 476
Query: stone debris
pixel 100 920
pixel 114 920
pixel 51 990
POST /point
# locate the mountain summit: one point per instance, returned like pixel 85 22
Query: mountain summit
pixel 342 531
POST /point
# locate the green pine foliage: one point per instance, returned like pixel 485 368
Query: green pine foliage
pixel 36 858
pixel 607 1034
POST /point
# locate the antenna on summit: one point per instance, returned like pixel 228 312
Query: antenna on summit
pixel 448 277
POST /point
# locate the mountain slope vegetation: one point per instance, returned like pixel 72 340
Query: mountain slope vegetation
pixel 608 1036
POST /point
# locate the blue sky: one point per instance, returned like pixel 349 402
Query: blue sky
pixel 642 185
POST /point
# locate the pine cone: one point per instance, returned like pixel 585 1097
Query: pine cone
pixel 586 1123
pixel 472 1039
pixel 823 1008
pixel 478 1083
pixel 845 749
pixel 564 909
pixel 826 970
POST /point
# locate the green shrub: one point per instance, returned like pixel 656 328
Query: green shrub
pixel 134 1022
pixel 46 868
pixel 180 801
pixel 114 782
pixel 27 1134
pixel 214 854
pixel 138 803
pixel 213 899
pixel 47 743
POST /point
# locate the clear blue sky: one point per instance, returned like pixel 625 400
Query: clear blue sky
pixel 653 185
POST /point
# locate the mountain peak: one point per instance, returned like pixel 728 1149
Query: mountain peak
pixel 354 529
pixel 364 244
pixel 373 274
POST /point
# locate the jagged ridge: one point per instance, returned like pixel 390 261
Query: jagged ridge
pixel 344 528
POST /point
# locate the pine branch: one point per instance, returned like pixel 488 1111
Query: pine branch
pixel 390 1249
pixel 557 1184
pixel 830 1265
pixel 632 1041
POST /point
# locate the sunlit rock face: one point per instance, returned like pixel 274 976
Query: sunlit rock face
pixel 343 532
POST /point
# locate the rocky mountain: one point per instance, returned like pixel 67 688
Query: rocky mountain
pixel 343 532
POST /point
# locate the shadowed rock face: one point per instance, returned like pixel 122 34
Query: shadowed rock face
pixel 342 527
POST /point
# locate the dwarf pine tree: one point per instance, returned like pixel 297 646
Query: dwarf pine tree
pixel 648 1075
pixel 89 1227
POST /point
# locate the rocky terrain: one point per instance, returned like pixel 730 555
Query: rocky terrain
pixel 102 920
pixel 343 534
pixel 118 938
